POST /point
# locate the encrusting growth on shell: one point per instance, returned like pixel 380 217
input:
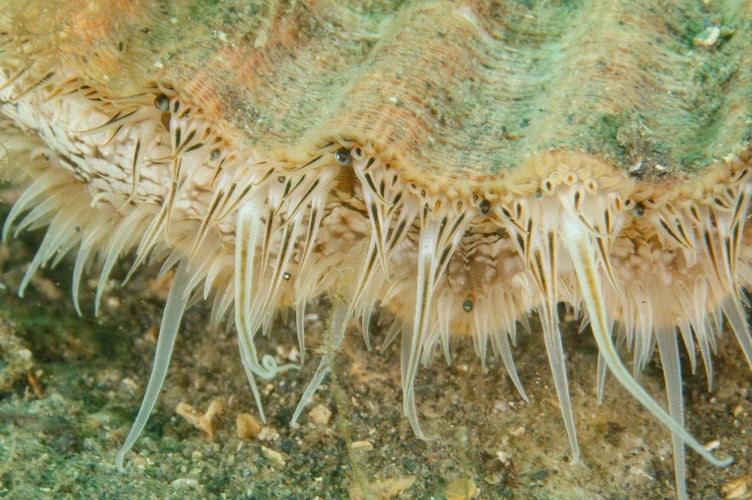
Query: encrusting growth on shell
pixel 460 187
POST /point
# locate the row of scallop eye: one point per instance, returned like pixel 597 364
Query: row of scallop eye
pixel 344 157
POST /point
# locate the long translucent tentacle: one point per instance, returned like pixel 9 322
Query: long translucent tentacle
pixel 249 224
pixel 439 237
pixel 579 245
pixel 175 306
pixel 336 334
pixel 669 353
pixel 412 344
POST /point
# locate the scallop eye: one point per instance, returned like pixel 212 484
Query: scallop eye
pixel 484 207
pixel 343 156
pixel 162 102
pixel 639 210
pixel 467 305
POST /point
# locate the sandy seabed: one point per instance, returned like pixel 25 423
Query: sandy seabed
pixel 58 438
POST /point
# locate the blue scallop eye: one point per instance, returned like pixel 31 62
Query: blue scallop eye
pixel 639 210
pixel 343 156
pixel 162 103
pixel 484 207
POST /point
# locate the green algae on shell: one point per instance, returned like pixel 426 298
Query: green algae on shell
pixel 501 160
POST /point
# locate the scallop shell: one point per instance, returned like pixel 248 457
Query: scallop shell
pixel 458 165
